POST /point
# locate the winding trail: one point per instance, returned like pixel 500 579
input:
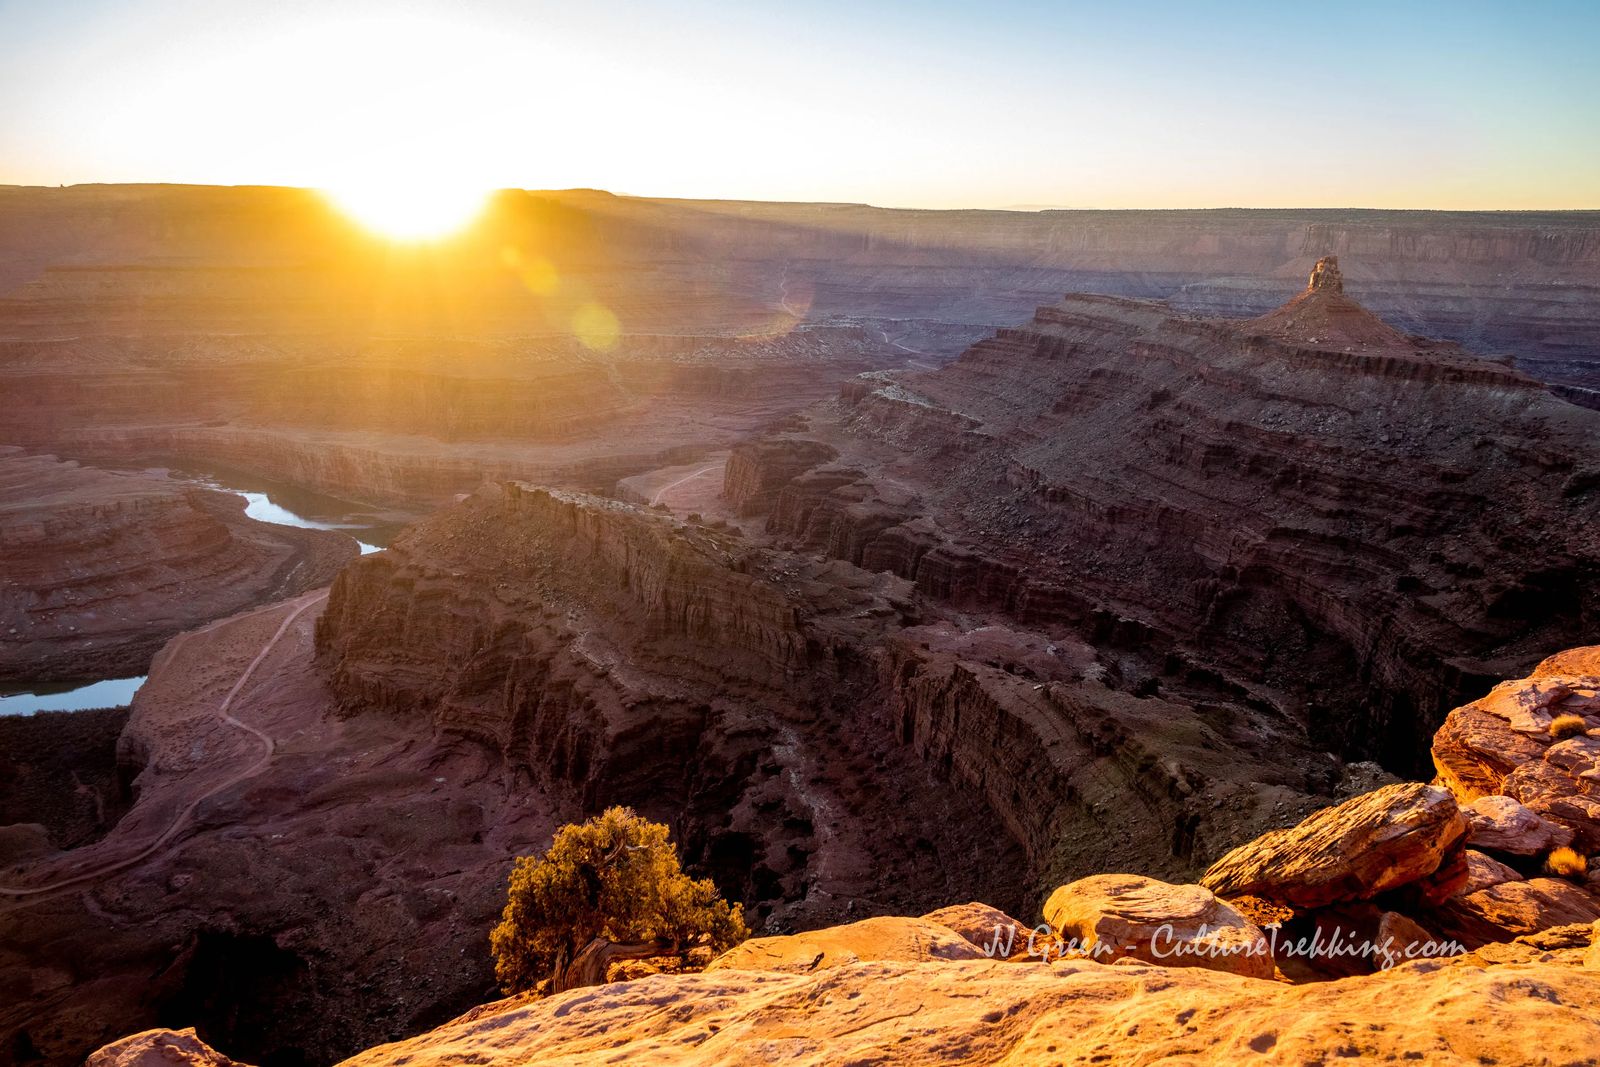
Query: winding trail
pixel 269 746
pixel 656 499
pixel 783 295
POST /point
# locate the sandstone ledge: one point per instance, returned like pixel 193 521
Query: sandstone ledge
pixel 987 1012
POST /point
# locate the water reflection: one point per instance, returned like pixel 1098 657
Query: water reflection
pixel 110 693
pixel 259 506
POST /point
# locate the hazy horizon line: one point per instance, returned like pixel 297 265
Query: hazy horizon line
pixel 1021 209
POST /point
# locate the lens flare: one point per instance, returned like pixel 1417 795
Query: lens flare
pixel 596 326
pixel 537 274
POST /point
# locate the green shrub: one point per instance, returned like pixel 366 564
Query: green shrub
pixel 609 889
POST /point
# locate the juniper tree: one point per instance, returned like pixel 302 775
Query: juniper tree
pixel 608 889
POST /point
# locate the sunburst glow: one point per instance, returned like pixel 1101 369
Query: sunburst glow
pixel 408 210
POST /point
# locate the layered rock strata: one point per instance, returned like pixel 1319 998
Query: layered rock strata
pixel 615 654
pixel 610 654
pixel 1356 527
pixel 92 260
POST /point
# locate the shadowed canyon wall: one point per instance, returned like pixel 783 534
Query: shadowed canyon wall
pixel 1349 524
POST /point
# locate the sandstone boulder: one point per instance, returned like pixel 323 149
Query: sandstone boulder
pixel 160 1048
pixel 1473 751
pixel 1502 824
pixel 1580 662
pixel 1368 845
pixel 1484 871
pixel 1515 908
pixel 885 937
pixel 1555 938
pixel 1117 916
pixel 992 930
pixel 1401 939
pixel 1564 786
pixel 1434 889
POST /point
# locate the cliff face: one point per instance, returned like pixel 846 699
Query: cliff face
pixel 1356 526
pixel 614 655
pixel 1086 767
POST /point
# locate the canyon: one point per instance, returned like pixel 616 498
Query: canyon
pixel 789 527
pixel 103 567
pixel 1311 508
pixel 575 337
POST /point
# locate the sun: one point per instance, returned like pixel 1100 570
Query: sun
pixel 409 210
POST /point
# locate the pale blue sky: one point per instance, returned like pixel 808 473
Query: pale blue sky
pixel 1450 105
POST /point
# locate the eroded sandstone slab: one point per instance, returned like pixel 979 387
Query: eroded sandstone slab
pixel 1352 851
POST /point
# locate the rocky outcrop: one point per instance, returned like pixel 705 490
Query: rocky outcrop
pixel 1352 851
pixel 1401 848
pixel 1477 1009
pixel 1123 916
pixel 1514 908
pixel 1325 318
pixel 999 935
pixel 1484 872
pixel 1326 276
pixel 160 1048
pixel 103 567
pixel 757 470
pixel 1502 745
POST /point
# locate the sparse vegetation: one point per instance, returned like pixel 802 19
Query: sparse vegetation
pixel 1568 725
pixel 1566 863
pixel 609 889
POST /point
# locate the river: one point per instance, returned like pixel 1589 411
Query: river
pixel 260 507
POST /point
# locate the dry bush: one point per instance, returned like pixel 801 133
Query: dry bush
pixel 1566 863
pixel 1565 726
